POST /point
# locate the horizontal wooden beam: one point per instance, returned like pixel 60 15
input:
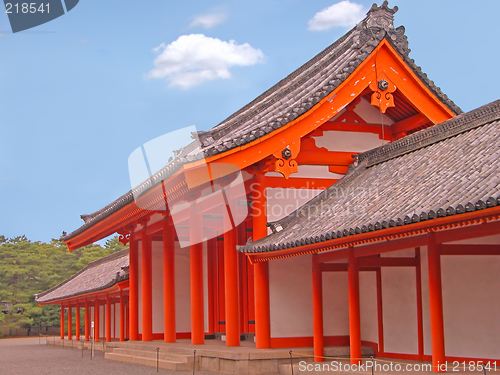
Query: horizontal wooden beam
pixel 391 245
pixel 322 156
pixel 372 263
pixel 409 123
pixel 469 249
pixel 299 183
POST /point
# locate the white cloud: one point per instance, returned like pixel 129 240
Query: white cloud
pixel 342 14
pixel 193 59
pixel 207 21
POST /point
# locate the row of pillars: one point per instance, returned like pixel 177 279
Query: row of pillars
pixel 87 319
pixel 261 280
pixel 435 305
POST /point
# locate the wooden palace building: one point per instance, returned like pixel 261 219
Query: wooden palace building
pixel 360 209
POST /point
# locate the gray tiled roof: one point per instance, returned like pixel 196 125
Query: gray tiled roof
pixel 97 275
pixel 288 99
pixel 448 169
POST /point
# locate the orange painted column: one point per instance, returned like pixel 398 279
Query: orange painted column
pixel 436 304
pixel 62 322
pixel 133 290
pixel 87 320
pixel 317 295
pixel 196 277
pixel 261 269
pixel 168 281
pixel 354 313
pixel 147 287
pixel 96 320
pixel 77 321
pixel 108 319
pixel 122 317
pixel 70 333
pixel 231 285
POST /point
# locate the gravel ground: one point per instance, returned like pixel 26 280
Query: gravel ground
pixel 25 356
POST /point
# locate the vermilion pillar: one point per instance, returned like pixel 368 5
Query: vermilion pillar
pixel 77 321
pixel 317 294
pixel 168 281
pixel 231 286
pixel 108 319
pixel 122 317
pixel 261 269
pixel 87 320
pixel 96 320
pixel 354 314
pixel 196 277
pixel 436 304
pixel 134 290
pixel 69 323
pixel 62 321
pixel 147 285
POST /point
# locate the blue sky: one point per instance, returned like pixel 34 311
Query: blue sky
pixel 79 94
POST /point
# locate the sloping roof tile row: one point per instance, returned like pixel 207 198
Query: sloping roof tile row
pixel 448 169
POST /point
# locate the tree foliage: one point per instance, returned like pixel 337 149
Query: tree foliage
pixel 27 268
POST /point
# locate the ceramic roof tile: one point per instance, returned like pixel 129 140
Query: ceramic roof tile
pixel 285 101
pixel 98 275
pixel 436 172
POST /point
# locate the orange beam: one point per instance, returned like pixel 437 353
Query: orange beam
pixel 322 156
pixel 436 304
pixel 354 310
pixel 420 321
pixel 409 123
pixel 146 290
pixel 231 283
pixel 261 270
pixel 134 289
pixel 299 183
pixel 317 295
pixel 62 322
pixel 453 249
pixel 77 321
pixel 69 323
pixel 87 320
pixel 96 320
pixel 196 277
pixel 169 281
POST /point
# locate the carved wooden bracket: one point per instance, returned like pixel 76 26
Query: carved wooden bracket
pixel 286 163
pixel 382 97
pixel 125 234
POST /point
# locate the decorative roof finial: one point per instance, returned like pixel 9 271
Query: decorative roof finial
pixel 381 16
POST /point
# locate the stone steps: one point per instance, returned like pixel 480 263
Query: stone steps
pixel 151 362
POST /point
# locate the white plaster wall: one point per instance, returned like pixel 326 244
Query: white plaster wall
pixel 157 283
pixel 282 202
pixel 335 304
pixel 102 321
pixel 348 141
pixel 368 306
pixel 117 319
pixel 400 310
pixel 182 290
pixel 371 114
pixel 290 294
pixel 471 304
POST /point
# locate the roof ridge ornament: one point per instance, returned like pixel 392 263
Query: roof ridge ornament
pixel 380 16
